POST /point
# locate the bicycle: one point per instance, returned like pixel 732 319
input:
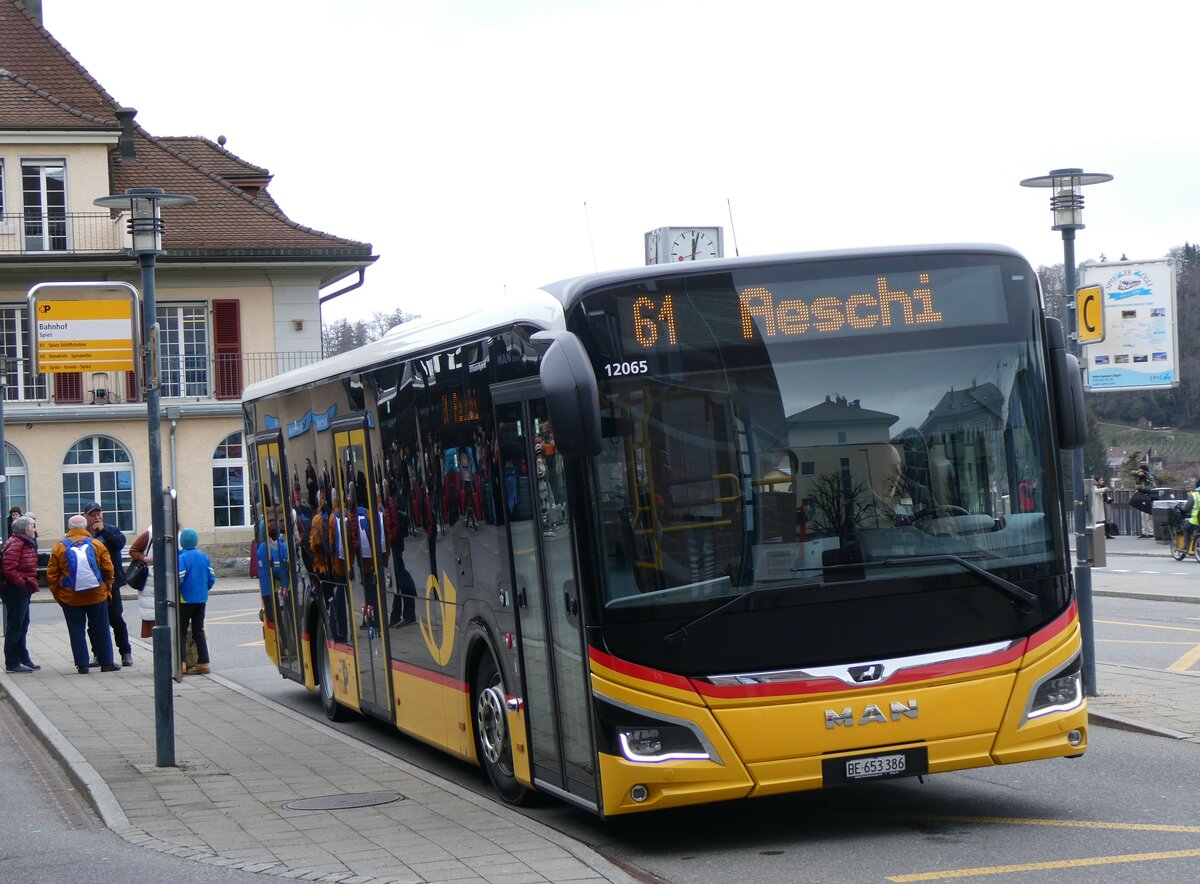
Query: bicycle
pixel 1182 546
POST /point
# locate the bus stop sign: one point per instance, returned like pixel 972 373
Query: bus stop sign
pixel 1089 313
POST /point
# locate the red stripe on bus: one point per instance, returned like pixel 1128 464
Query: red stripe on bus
pixel 1055 627
pixel 636 670
pixel 435 677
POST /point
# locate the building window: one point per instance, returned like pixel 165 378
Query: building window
pixel 2 222
pixel 183 349
pixel 17 483
pixel 44 188
pixel 229 483
pixel 15 357
pixel 99 468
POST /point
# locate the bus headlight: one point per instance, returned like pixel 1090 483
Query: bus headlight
pixel 649 738
pixel 1060 691
pixel 667 742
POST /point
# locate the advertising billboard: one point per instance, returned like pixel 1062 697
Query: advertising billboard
pixel 1140 348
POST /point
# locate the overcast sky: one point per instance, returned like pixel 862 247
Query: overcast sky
pixel 485 146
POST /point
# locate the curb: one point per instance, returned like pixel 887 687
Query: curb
pixel 1146 596
pixel 82 774
pixel 1121 723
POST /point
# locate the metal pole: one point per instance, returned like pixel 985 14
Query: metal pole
pixel 1083 570
pixel 164 708
pixel 3 449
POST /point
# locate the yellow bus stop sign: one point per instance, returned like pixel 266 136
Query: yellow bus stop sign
pixel 1089 313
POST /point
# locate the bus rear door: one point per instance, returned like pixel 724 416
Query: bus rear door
pixel 274 528
pixel 553 662
pixel 362 548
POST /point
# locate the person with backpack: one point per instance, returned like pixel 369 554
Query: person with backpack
pixel 80 575
pixel 114 541
pixel 196 578
pixel 19 561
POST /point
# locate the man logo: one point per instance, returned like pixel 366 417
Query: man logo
pixel 871 714
pixel 865 674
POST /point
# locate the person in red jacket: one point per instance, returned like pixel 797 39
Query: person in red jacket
pixel 20 559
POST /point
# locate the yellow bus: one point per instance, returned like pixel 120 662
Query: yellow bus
pixel 690 532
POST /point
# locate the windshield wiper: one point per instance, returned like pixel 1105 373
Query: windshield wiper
pixel 1025 599
pixel 672 640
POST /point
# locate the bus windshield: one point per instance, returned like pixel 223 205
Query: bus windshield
pixel 803 424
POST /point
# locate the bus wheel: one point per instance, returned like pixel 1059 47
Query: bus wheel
pixel 493 740
pixel 334 710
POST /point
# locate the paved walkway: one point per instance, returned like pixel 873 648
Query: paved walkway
pixel 242 759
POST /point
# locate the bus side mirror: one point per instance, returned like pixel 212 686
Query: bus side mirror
pixel 572 394
pixel 1066 387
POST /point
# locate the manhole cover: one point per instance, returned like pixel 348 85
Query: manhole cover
pixel 345 802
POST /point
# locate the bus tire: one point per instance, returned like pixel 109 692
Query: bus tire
pixel 493 740
pixel 334 710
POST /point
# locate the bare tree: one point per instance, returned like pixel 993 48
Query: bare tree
pixel 839 505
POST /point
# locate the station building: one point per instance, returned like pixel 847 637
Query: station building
pixel 239 287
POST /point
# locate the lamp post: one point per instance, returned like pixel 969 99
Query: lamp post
pixel 146 226
pixel 1066 202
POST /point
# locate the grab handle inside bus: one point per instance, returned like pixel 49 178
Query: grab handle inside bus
pixel 572 394
pixel 1066 386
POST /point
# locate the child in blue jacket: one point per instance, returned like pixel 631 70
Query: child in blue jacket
pixel 196 578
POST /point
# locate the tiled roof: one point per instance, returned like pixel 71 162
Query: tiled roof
pixel 43 88
pixel 28 50
pixel 214 157
pixel 24 106
pixel 224 218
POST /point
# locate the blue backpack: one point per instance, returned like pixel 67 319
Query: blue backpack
pixel 75 551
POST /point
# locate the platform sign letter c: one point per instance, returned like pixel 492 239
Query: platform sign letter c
pixel 1089 313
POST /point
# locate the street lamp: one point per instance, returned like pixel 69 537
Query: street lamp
pixel 146 226
pixel 1066 202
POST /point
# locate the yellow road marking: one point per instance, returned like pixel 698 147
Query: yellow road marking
pixel 1061 824
pixel 1150 626
pixel 1187 661
pixel 258 644
pixel 1043 866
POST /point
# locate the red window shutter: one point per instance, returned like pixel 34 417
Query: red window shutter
pixel 227 347
pixel 68 386
pixel 132 393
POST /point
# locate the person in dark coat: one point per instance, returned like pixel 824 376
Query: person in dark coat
pixel 20 559
pixel 114 541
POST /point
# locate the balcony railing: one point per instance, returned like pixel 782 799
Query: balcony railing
pixel 220 376
pixel 69 233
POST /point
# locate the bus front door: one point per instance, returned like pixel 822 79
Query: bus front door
pixel 554 665
pixel 277 560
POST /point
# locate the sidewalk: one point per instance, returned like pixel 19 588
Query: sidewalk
pixel 242 759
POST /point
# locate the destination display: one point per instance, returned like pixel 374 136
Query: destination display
pixel 782 310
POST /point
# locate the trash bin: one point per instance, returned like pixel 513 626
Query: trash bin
pixel 1162 508
pixel 1096 554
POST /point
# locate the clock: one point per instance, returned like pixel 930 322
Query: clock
pixel 672 244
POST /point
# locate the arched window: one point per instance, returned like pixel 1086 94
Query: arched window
pixel 229 483
pixel 18 478
pixel 99 468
